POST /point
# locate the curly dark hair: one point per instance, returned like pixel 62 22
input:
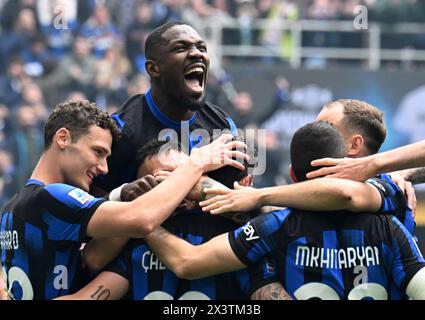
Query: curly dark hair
pixel 77 117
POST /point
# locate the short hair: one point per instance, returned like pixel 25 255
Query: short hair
pixel 155 38
pixel 366 119
pixel 151 148
pixel 314 141
pixel 77 117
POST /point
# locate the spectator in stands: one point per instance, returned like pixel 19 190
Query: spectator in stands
pixel 9 177
pixel 100 31
pixel 58 21
pixel 111 75
pixel 38 59
pixel 136 35
pixel 242 112
pixel 33 97
pixel 77 70
pixel 26 141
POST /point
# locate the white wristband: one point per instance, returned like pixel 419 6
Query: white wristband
pixel 115 195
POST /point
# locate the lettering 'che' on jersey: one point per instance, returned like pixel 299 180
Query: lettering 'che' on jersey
pixel 141 121
pixel 42 228
pixel 333 255
pixel 151 280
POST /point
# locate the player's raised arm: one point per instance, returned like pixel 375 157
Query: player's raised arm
pixel 193 262
pixel 410 156
pixel 317 195
pixel 135 218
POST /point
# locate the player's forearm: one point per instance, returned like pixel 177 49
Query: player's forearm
pixel 316 195
pixel 415 176
pixel 154 207
pixel 141 216
pixel 98 253
pixel 197 193
pixel 106 286
pixel 193 262
pixel 410 156
pixel 171 250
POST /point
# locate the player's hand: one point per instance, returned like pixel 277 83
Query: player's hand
pixel 138 187
pixel 359 169
pixel 219 153
pixel 191 200
pixel 241 199
pixel 161 175
pixel 407 188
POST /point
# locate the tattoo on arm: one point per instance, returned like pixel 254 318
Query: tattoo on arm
pixel 272 291
pixel 160 231
pixel 206 183
pixel 101 293
pixel 416 176
pixel 267 209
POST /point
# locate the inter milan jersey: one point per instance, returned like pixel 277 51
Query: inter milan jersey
pixel 151 280
pixel 42 228
pixel 333 255
pixel 394 201
pixel 141 121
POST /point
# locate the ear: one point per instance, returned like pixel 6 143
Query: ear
pixel 246 181
pixel 292 174
pixel 355 146
pixel 152 68
pixel 62 138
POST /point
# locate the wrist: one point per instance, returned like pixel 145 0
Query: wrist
pixel 197 164
pixel 115 195
pixel 377 164
pixel 262 196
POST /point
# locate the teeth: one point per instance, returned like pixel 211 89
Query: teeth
pixel 196 70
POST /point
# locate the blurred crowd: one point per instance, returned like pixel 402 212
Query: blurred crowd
pixel 52 50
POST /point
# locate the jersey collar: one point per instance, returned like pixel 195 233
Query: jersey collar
pixel 35 181
pixel 161 117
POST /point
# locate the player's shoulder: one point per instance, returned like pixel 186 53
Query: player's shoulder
pixel 129 116
pixel 212 117
pixel 68 195
pixel 131 105
pixel 211 106
pixel 130 110
pixel 384 182
pixel 274 220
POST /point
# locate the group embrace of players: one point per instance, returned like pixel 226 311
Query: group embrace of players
pixel 182 221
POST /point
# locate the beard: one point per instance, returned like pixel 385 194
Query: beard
pixel 195 105
pixel 185 102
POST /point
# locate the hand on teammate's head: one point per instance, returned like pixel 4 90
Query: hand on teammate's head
pixel 138 187
pixel 221 152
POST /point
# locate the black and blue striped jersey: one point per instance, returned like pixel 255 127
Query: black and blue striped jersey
pixel 394 200
pixel 141 121
pixel 150 279
pixel 393 203
pixel 42 228
pixel 333 255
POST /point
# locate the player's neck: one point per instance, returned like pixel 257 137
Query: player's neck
pixel 176 113
pixel 47 170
